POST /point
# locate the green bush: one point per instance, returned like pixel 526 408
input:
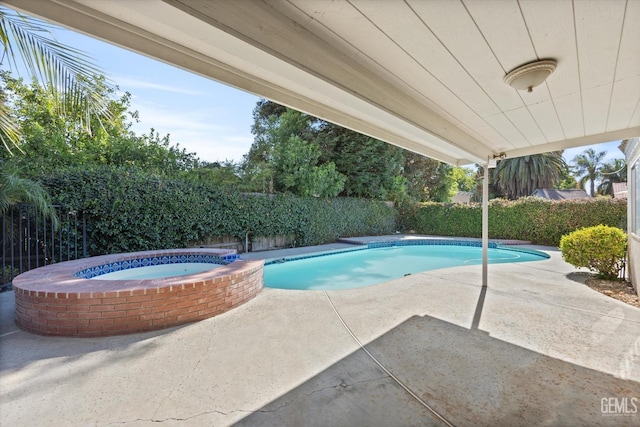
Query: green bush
pixel 534 219
pixel 8 273
pixel 601 249
pixel 128 210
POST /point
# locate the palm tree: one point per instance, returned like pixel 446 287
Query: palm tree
pixel 521 176
pixel 68 73
pixel 587 168
pixel 613 171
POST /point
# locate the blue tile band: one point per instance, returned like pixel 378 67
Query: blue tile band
pixel 158 260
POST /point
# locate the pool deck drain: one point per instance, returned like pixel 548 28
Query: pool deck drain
pixel 537 348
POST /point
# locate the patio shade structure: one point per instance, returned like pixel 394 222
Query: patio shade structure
pixel 426 75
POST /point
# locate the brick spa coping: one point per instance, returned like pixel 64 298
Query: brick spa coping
pixel 55 300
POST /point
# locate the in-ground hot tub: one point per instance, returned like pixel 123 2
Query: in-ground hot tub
pixel 71 299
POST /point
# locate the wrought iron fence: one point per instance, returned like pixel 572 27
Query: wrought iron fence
pixel 30 240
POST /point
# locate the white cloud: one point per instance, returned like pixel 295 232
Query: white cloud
pixel 218 147
pixel 195 130
pixel 131 82
pixel 175 120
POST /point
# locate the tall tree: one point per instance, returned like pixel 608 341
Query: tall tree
pixel 285 154
pixel 373 168
pixel 218 174
pixel 463 179
pixel 586 167
pixel 269 129
pixel 370 166
pixel 427 179
pixel 67 73
pixel 568 181
pixel 297 170
pixel 521 176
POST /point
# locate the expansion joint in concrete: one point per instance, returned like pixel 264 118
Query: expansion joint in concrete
pixel 381 366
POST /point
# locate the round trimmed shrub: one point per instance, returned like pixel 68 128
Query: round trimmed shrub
pixel 601 249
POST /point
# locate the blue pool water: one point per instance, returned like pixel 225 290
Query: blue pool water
pixel 354 269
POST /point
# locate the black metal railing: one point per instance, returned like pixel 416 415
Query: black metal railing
pixel 30 239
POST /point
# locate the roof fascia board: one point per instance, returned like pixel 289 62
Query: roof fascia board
pixel 575 142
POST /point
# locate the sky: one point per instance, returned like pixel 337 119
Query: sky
pixel 203 116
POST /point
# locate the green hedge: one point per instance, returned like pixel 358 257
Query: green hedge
pixel 127 210
pixel 538 220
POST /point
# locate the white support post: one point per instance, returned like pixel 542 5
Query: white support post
pixel 485 225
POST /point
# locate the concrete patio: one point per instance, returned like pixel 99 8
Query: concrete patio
pixel 536 347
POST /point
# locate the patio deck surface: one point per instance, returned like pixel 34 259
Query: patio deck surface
pixel 536 347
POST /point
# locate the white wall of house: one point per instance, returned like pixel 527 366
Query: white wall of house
pixel 633 217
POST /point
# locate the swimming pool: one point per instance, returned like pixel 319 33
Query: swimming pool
pixel 372 265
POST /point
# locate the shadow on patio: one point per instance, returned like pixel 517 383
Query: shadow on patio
pixel 465 375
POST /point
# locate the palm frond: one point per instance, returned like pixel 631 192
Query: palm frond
pixel 67 72
pixel 9 131
pixel 14 190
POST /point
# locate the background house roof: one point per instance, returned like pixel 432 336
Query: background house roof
pixel 551 194
pixel 462 197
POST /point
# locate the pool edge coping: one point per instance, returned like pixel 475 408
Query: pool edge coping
pixel 418 241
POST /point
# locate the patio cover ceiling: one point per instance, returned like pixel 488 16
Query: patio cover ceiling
pixel 426 75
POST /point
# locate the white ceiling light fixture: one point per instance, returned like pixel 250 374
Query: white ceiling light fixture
pixel 530 75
